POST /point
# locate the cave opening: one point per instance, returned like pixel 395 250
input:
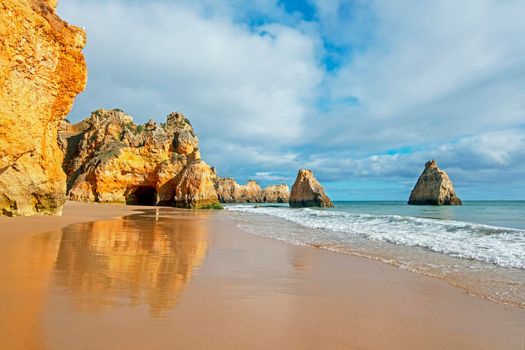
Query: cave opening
pixel 142 195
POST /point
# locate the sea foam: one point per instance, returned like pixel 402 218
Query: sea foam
pixel 484 243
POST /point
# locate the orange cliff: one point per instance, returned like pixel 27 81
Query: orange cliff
pixel 110 159
pixel 42 69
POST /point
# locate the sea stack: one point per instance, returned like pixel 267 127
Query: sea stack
pixel 433 188
pixel 308 192
pixel 42 69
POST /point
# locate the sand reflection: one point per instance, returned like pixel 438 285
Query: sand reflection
pixel 141 260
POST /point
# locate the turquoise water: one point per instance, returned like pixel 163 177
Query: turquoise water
pixel 496 213
pixel 479 246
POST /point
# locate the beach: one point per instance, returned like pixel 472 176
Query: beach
pixel 110 277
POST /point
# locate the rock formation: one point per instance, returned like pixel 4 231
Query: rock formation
pixel 108 158
pixel 229 191
pixel 276 194
pixel 194 187
pixel 433 188
pixel 308 192
pixel 42 69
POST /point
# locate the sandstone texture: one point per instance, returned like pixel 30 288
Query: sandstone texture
pixel 276 193
pixel 229 191
pixel 195 187
pixel 433 188
pixel 308 192
pixel 108 158
pixel 42 69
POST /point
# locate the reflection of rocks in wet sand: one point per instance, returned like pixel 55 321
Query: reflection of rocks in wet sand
pixel 144 259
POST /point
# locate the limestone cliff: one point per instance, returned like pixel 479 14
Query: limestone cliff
pixel 433 188
pixel 308 192
pixel 194 187
pixel 229 191
pixel 109 158
pixel 276 193
pixel 42 69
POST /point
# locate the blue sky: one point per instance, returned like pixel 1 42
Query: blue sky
pixel 361 92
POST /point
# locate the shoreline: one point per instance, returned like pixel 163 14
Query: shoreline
pixel 244 284
pixel 398 266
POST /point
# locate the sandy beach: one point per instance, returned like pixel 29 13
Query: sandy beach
pixel 109 277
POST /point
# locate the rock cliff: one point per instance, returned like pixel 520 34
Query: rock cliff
pixel 276 193
pixel 433 188
pixel 229 191
pixel 108 158
pixel 42 69
pixel 308 192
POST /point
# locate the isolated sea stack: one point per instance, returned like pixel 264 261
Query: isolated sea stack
pixel 42 69
pixel 433 188
pixel 229 191
pixel 110 159
pixel 308 192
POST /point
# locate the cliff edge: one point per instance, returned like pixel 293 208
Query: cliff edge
pixel 42 69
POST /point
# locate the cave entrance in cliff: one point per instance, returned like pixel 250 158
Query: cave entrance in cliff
pixel 142 195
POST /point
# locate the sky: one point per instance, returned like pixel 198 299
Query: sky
pixel 361 92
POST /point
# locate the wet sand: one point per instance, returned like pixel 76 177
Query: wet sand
pixel 191 280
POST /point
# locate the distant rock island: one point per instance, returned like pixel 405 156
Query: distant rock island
pixel 42 69
pixel 229 191
pixel 108 158
pixel 308 192
pixel 433 188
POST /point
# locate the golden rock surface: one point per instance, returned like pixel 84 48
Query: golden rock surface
pixel 42 69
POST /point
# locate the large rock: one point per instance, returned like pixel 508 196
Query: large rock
pixel 194 187
pixel 433 188
pixel 229 191
pixel 276 194
pixel 110 159
pixel 42 69
pixel 308 192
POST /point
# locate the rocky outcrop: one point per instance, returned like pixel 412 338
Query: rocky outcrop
pixel 308 192
pixel 276 194
pixel 42 69
pixel 433 188
pixel 194 187
pixel 229 191
pixel 108 158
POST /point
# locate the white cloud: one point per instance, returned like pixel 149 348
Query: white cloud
pixel 431 72
pixel 443 77
pixel 488 157
pixel 232 81
pixel 271 176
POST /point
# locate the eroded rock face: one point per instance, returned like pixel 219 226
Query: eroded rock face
pixel 308 192
pixel 276 194
pixel 194 187
pixel 433 188
pixel 42 70
pixel 110 159
pixel 229 191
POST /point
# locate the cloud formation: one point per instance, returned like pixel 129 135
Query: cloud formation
pixel 363 92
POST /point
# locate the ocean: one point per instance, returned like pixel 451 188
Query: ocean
pixel 479 246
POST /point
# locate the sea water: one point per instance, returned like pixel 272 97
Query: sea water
pixel 479 246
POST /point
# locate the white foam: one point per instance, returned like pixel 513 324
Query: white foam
pixel 496 245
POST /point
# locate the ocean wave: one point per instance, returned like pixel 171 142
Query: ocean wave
pixel 490 244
